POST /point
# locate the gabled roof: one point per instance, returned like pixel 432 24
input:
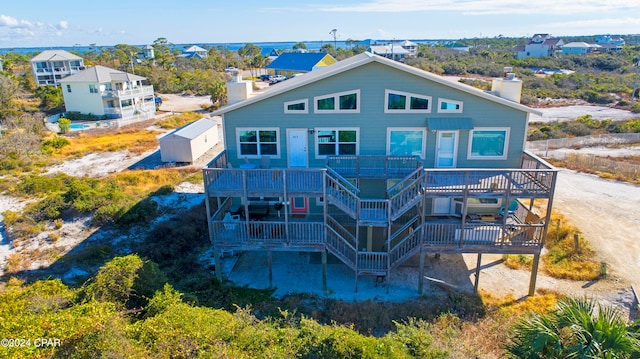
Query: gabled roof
pixel 580 44
pixel 55 55
pixel 194 48
pixel 101 74
pixel 297 61
pixel 388 50
pixel 193 129
pixel 361 60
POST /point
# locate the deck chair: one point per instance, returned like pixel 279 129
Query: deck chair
pixel 513 206
pixel 230 220
pixel 266 162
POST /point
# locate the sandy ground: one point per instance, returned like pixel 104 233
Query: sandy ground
pixel 567 113
pixel 606 212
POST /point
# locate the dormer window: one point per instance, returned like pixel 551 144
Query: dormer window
pixel 399 101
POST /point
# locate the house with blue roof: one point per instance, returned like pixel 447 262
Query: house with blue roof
pixel 289 64
pixel 370 163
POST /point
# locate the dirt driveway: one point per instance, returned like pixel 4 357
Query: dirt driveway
pixel 608 214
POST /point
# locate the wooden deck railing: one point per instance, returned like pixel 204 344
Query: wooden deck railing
pixel 342 244
pixel 373 263
pixel 405 248
pixel 373 166
pixel 268 233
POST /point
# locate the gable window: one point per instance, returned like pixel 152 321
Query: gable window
pixel 348 101
pixel 449 106
pixel 488 143
pixel 406 142
pixel 68 88
pixel 258 142
pixel 398 101
pixel 297 106
pixel 93 88
pixel 336 142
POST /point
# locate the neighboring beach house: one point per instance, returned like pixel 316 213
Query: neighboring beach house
pixel 580 48
pixel 102 91
pixel 375 162
pixel 51 66
pixel 390 51
pixel 540 45
pixel 288 64
pixel 194 52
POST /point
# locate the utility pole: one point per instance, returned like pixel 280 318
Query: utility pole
pixel 333 32
pixel 636 62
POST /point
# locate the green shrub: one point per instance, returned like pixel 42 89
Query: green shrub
pixel 636 107
pixel 64 124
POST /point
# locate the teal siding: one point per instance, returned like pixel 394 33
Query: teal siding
pixel 372 80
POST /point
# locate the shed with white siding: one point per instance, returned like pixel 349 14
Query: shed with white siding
pixel 189 142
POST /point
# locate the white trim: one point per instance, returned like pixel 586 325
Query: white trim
pixel 320 201
pixel 306 146
pixel 421 129
pixel 407 108
pixel 337 129
pixel 441 100
pixel 455 147
pixel 506 143
pixel 258 129
pixel 336 97
pixel 295 102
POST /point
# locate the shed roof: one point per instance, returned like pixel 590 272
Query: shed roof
pixel 193 129
pixel 102 74
pixel 297 61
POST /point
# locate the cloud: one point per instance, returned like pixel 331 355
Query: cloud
pixel 479 7
pixel 62 25
pixel 12 22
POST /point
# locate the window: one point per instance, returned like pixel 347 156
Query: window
pixel 93 89
pixel 348 101
pixel 297 106
pixel 406 142
pixel 398 101
pixel 68 88
pixel 336 142
pixel 126 103
pixel 488 143
pixel 258 142
pixel 449 106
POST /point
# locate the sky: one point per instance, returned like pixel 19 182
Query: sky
pixel 29 23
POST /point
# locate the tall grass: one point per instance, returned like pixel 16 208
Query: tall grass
pixel 178 120
pixel 134 141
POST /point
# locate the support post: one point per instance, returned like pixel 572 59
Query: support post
pixel 324 270
pixel 421 276
pixel 270 260
pixel 534 275
pixel 218 264
pixel 477 279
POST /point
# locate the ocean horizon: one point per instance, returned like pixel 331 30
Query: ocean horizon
pixel 233 46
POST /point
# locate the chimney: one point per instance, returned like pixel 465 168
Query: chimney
pixel 237 89
pixel 507 87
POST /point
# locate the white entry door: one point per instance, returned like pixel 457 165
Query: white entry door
pixel 297 147
pixel 447 149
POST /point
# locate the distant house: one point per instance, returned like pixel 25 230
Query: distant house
pixel 410 46
pixel 113 94
pixel 147 52
pixel 194 52
pixel 540 45
pixel 289 64
pixel 188 143
pixel 610 43
pixel 579 48
pixel 50 66
pixel 393 52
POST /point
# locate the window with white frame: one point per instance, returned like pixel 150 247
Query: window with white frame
pixel 93 88
pixel 343 102
pixel 258 142
pixel 331 142
pixel 68 88
pixel 406 142
pixel 488 143
pixel 398 101
pixel 449 106
pixel 297 106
